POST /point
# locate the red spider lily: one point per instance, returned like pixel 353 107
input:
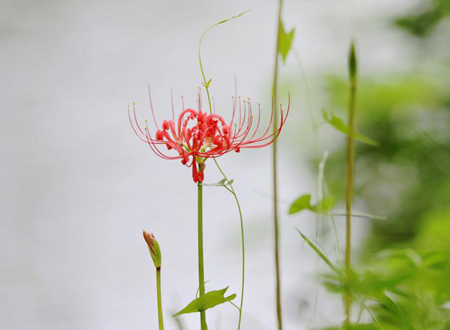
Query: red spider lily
pixel 197 136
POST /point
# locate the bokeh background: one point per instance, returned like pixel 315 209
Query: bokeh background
pixel 78 187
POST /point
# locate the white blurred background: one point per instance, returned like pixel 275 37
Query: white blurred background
pixel 78 187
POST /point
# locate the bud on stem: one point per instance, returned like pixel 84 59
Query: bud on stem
pixel 352 63
pixel 155 252
pixel 153 247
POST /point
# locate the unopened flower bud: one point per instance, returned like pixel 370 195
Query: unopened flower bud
pixel 352 62
pixel 153 247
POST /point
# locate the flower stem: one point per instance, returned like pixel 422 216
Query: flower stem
pixel 274 165
pixel 350 179
pixel 201 268
pixel 158 288
pixel 232 191
pixel 201 65
pixel 243 255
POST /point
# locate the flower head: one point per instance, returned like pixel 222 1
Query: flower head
pixel 153 248
pixel 196 135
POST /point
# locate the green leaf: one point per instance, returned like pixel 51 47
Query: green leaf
pixel 396 310
pixel 304 203
pixel 320 254
pixel 300 204
pixel 339 125
pixel 325 205
pixel 208 83
pixel 207 301
pixel 284 41
pixel 221 183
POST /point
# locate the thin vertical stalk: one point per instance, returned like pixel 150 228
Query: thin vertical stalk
pixel 201 267
pixel 158 289
pixel 350 179
pixel 243 256
pixel 231 189
pixel 274 166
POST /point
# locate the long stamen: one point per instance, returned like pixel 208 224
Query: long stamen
pixel 171 102
pixel 155 149
pixel 257 124
pixel 151 107
pixel 249 121
pixel 134 129
pixel 273 136
pixel 263 136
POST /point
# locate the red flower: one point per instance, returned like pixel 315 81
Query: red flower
pixel 197 136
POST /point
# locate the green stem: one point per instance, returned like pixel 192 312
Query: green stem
pixel 201 66
pixel 243 255
pixel 349 193
pixel 231 189
pixel 274 158
pixel 201 269
pixel 158 288
pixel 233 192
pixel 205 83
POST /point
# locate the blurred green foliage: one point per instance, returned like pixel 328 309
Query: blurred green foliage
pixel 409 173
pixel 407 179
pixel 423 22
pixel 402 280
